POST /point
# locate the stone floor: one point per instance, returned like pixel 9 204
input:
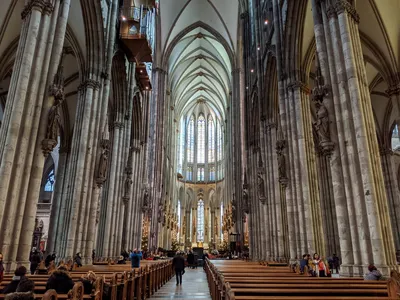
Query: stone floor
pixel 194 286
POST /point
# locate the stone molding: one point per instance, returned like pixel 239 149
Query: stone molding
pixel 157 69
pixel 244 15
pixel 118 125
pixel 42 6
pixel 393 90
pixel 299 85
pixel 89 83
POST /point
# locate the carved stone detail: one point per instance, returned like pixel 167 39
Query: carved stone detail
pixel 343 5
pixel 280 150
pixel 146 202
pixel 261 188
pixel 103 163
pixel 43 6
pixel 322 125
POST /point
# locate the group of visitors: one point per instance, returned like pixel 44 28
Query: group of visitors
pixel 318 266
pixel 59 280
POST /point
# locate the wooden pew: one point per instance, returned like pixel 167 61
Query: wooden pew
pixel 228 280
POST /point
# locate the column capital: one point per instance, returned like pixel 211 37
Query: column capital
pixel 43 6
pixel 89 83
pixel 118 125
pixel 343 5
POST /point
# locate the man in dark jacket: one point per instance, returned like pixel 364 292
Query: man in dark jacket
pixel 60 281
pixel 19 275
pixel 35 260
pixel 179 264
pixel 24 291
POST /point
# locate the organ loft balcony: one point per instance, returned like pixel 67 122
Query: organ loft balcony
pixel 137 31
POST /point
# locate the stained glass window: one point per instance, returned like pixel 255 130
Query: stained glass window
pixel 201 135
pixel 219 142
pixel 396 138
pixel 200 221
pixel 212 173
pixel 200 174
pixel 181 145
pixel 211 140
pixel 189 175
pixel 190 140
pixel 49 185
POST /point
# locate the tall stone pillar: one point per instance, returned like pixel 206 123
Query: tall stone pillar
pixel 41 41
pixel 363 240
pixel 392 191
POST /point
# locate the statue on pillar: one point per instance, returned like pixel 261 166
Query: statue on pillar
pixel 260 188
pixel 128 184
pixel 322 123
pixel 246 204
pixel 280 150
pixel 103 163
pixel 146 203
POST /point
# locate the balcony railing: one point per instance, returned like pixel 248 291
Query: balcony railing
pixel 138 23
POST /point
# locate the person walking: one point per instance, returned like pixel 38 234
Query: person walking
pixel 179 265
pixel 135 258
pixel 35 260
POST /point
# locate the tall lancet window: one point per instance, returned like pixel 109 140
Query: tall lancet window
pixel 189 174
pixel 181 146
pixel 211 140
pixel 178 213
pixel 200 221
pixel 201 136
pixel 219 142
pixel 49 185
pixel 396 138
pixel 190 140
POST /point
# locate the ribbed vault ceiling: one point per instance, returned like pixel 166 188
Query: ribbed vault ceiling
pixel 199 66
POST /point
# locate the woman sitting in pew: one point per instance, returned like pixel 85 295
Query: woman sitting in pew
pixel 60 281
pixel 373 274
pixel 19 275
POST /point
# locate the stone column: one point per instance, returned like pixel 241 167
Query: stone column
pixel 57 196
pixel 392 191
pixel 342 65
pixel 41 41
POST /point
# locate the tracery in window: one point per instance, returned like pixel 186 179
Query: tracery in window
pixel 200 221
pixel 212 173
pixel 189 174
pixel 200 174
pixel 201 135
pixel 211 139
pixel 190 140
pixel 396 138
pixel 49 185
